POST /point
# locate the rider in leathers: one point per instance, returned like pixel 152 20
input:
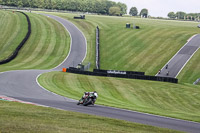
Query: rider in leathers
pixel 87 94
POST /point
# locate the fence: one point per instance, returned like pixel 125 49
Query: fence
pixel 97 49
pixel 122 74
pixel 15 53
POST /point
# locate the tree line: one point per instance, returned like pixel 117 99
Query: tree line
pixel 184 16
pixel 134 12
pixel 92 6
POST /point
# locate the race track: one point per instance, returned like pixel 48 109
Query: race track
pixel 180 59
pixel 23 85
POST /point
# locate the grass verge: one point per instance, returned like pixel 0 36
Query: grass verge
pixel 166 99
pixel 147 49
pixel 13 29
pixel 46 48
pixel 17 117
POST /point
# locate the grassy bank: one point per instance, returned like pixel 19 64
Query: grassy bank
pixel 167 99
pixel 147 49
pixel 88 29
pixel 191 72
pixel 46 48
pixel 17 117
pixel 13 28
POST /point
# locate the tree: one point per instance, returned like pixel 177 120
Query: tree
pixel 133 11
pixel 108 5
pixel 114 11
pixel 180 15
pixel 122 7
pixel 94 6
pixel 171 15
pixel 19 3
pixel 144 13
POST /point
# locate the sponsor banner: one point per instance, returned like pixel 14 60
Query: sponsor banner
pixel 116 72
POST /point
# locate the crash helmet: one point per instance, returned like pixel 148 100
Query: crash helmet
pixel 95 93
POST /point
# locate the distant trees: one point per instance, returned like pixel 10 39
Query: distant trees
pixel 114 11
pixel 123 8
pixel 133 11
pixel 180 15
pixel 171 15
pixel 184 16
pixel 144 13
pixel 94 6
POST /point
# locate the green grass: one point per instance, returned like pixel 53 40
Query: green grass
pixel 19 118
pixel 88 29
pixel 13 29
pixel 166 99
pixel 46 48
pixel 147 49
pixel 191 72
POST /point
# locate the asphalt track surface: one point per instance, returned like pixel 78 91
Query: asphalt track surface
pixel 180 59
pixel 22 85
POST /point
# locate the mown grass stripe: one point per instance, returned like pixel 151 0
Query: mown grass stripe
pixel 40 46
pixel 18 117
pixel 13 33
pixel 35 48
pixel 147 96
pixel 134 49
pixel 47 49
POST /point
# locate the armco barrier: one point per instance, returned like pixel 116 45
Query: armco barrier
pixel 130 76
pixel 15 53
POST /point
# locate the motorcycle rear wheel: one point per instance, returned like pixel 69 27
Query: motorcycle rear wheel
pixel 89 101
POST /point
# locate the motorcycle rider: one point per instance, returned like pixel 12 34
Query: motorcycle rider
pixel 87 94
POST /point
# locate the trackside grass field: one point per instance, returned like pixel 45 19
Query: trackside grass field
pixel 147 49
pixel 88 29
pixel 17 117
pixel 13 28
pixel 166 99
pixel 191 72
pixel 46 48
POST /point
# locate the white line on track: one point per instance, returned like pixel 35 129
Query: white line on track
pixel 177 53
pixel 186 63
pixel 71 41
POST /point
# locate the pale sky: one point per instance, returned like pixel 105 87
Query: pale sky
pixel 160 8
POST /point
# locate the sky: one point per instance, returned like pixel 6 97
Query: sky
pixel 160 8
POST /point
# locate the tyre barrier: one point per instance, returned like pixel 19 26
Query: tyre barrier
pixel 121 74
pixel 15 53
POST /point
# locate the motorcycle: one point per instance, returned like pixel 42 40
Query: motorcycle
pixel 87 100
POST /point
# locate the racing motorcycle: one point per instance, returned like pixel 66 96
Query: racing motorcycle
pixel 88 99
